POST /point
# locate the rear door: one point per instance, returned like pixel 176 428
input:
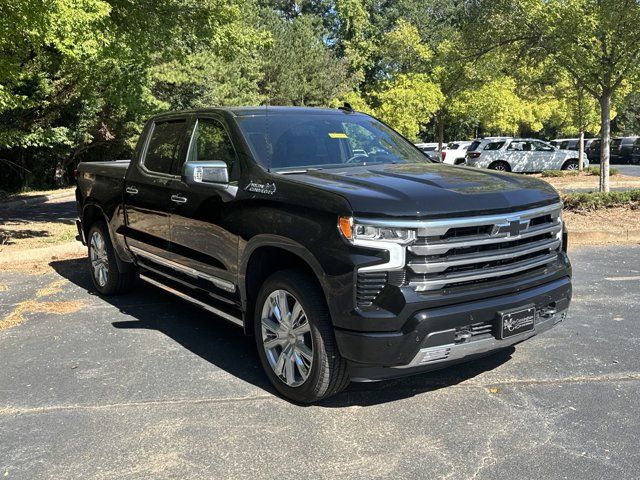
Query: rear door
pixel 147 195
pixel 202 219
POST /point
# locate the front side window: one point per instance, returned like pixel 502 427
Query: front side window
pixel 165 146
pixel 283 141
pixel 542 147
pixel 210 142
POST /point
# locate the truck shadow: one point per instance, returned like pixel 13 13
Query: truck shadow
pixel 224 345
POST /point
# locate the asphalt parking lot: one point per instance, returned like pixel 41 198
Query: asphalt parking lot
pixel 147 386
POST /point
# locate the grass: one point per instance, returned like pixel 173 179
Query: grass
pixel 589 171
pixel 601 200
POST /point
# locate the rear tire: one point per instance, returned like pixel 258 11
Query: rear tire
pixel 500 166
pixel 570 165
pixel 295 339
pixel 108 277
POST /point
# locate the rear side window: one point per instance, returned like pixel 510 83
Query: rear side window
pixel 494 146
pixel 453 146
pixel 165 146
pixel 637 142
pixel 615 143
pixel 474 145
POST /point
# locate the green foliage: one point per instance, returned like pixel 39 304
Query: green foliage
pixel 298 68
pixel 595 171
pixel 591 171
pixel 600 200
pixel 560 173
pixel 407 100
pixel 79 77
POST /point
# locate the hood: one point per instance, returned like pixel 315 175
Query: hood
pixel 429 190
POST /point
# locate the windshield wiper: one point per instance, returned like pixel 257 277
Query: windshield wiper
pixel 297 170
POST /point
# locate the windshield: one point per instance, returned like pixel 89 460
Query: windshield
pixel 313 140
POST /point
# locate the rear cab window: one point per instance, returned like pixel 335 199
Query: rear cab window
pixel 165 146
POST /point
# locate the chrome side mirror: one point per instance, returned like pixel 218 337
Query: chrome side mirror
pixel 214 173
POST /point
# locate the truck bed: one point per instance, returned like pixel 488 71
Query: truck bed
pixel 112 169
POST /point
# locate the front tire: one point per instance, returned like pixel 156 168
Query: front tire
pixel 295 338
pixel 107 275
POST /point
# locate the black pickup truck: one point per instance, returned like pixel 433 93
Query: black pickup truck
pixel 330 238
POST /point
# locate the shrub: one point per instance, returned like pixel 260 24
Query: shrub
pixel 596 171
pixel 599 200
pixel 560 173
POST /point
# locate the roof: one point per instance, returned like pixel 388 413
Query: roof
pixel 261 110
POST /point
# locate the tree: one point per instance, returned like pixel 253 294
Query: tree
pixel 596 41
pixel 79 76
pixel 406 100
pixel 298 68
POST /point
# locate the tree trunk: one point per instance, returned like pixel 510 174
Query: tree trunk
pixel 581 150
pixel 59 177
pixel 440 121
pixel 605 135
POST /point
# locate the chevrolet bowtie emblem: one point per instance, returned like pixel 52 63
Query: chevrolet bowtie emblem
pixel 512 228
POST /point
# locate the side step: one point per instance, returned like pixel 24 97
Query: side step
pixel 227 316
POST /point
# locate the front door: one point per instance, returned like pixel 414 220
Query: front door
pixel 202 237
pixel 148 203
pixel 546 157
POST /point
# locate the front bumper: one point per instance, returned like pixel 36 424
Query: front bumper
pixel 432 338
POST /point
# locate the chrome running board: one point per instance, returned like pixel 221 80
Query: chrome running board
pixel 235 320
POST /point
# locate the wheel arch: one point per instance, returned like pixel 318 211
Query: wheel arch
pixel 91 212
pixel 266 255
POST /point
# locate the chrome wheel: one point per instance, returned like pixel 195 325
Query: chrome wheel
pixel 99 259
pixel 286 338
pixel 500 167
pixel 572 166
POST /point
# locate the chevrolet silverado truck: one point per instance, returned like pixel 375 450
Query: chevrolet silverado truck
pixel 332 240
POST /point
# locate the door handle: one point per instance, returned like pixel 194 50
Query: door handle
pixel 178 199
pixel 131 190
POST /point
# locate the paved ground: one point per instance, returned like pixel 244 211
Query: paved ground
pixel 147 386
pixel 62 210
pixel 633 170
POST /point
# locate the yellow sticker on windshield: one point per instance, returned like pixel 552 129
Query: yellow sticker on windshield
pixel 338 135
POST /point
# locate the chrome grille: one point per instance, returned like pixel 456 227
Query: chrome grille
pixel 460 251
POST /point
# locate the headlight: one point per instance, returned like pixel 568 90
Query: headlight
pixel 354 232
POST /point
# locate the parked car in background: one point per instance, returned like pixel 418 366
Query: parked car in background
pixel 454 153
pixel 520 155
pixel 593 151
pixel 571 143
pixel 559 142
pixel 622 149
pixel 431 148
pixel 635 152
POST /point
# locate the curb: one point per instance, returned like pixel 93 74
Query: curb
pixel 34 200
pixel 600 236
